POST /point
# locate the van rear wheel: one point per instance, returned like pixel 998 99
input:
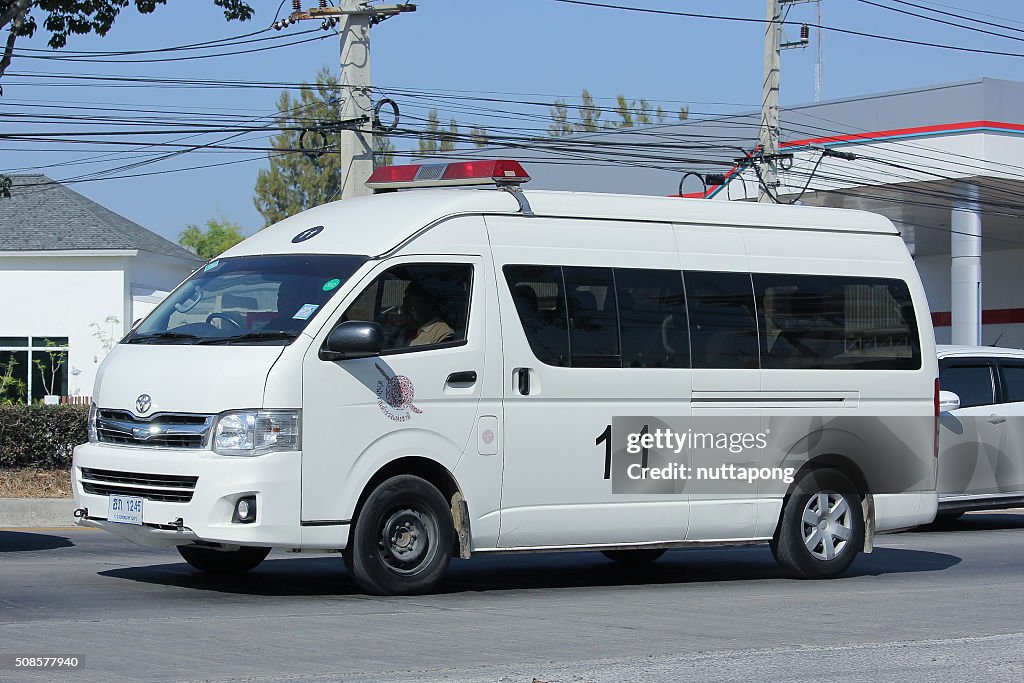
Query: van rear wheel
pixel 223 561
pixel 634 558
pixel 822 526
pixel 403 538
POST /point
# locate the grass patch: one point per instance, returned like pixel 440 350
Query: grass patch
pixel 31 482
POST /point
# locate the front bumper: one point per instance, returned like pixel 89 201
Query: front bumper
pixel 274 478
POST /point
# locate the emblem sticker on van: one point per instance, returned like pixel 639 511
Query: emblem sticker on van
pixel 395 395
pixel 307 234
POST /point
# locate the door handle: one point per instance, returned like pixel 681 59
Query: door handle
pixel 464 378
pixel 523 381
pixel 996 419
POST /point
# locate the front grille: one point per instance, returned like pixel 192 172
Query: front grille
pixel 162 487
pixel 162 430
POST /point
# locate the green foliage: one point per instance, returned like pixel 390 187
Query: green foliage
pixel 433 140
pixel 219 236
pixel 41 436
pixel 13 390
pixel 479 137
pixel 588 115
pixel 427 144
pixel 296 182
pixel 64 18
pixel 383 151
pixel 107 337
pixel 49 373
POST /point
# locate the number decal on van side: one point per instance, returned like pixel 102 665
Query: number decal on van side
pixel 605 437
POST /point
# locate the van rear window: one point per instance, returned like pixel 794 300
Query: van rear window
pixel 836 322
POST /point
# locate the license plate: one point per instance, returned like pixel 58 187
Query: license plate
pixel 125 509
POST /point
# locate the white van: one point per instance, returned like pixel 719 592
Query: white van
pixel 418 375
pixel 981 442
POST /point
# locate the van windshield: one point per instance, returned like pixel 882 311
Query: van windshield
pixel 247 300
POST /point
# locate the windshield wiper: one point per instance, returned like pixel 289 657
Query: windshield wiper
pixel 262 335
pixel 159 336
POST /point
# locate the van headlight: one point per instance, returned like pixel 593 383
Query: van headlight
pixel 254 432
pixel 93 435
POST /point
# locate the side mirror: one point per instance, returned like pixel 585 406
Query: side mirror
pixel 948 401
pixel 353 339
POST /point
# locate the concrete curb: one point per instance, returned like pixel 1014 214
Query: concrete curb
pixel 36 512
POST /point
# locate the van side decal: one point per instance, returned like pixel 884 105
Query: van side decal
pixel 395 395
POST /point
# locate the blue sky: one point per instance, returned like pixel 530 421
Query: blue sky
pixel 528 49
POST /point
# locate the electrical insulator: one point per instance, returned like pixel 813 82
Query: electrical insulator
pixel 297 5
pixel 805 33
pixel 323 4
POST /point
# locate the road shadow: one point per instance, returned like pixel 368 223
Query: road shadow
pixel 28 541
pixel 326 576
pixel 976 521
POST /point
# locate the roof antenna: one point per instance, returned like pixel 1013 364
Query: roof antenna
pixel 996 342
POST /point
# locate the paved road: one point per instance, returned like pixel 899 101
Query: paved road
pixel 945 605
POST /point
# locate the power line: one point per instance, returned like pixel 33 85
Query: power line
pixel 941 21
pixel 834 29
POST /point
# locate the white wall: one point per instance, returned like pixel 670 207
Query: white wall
pixel 152 278
pixel 59 296
pixel 62 296
pixel 1002 275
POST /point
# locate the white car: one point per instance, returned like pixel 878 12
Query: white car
pixel 981 442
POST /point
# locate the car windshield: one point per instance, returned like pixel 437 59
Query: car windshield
pixel 247 300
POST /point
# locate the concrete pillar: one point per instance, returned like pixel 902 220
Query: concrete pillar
pixel 965 271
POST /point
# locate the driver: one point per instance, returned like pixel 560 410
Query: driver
pixel 422 310
pixel 290 298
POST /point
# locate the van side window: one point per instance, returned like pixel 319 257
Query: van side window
pixel 973 382
pixel 1013 380
pixel 586 317
pixel 593 317
pixel 835 322
pixel 539 295
pixel 723 328
pixel 418 305
pixel 652 318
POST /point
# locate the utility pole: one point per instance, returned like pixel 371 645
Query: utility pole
pixel 768 170
pixel 355 130
pixel 768 176
pixel 356 146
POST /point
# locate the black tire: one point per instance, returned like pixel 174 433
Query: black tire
pixel 223 561
pixel 812 551
pixel 403 538
pixel 634 558
pixel 948 517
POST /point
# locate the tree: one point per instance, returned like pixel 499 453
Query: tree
pixel 219 236
pixel 49 371
pixel 383 151
pixel 63 18
pixel 13 390
pixel 588 115
pixel 298 181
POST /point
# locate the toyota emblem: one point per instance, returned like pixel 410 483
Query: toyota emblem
pixel 144 403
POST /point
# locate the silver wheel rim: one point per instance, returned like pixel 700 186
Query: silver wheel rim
pixel 827 524
pixel 406 540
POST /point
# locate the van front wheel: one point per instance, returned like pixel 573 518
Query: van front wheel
pixel 403 538
pixel 822 526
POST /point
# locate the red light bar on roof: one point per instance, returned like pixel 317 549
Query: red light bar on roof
pixel 500 172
